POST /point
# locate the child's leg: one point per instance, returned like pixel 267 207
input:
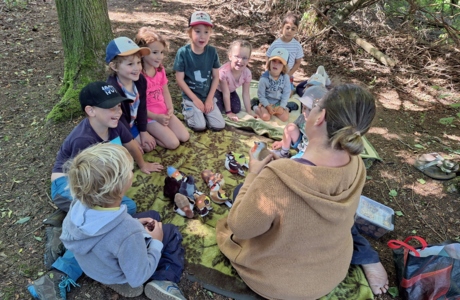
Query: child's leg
pixel 60 193
pixel 179 129
pixel 68 264
pixel 220 101
pixel 164 136
pixel 214 118
pixel 284 116
pixel 171 264
pixel 235 102
pixel 130 205
pixel 262 112
pixel 193 116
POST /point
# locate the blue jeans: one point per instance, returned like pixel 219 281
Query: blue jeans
pixel 60 194
pixel 363 253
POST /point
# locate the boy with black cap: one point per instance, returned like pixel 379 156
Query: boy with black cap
pixel 102 105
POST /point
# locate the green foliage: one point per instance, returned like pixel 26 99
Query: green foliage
pixel 15 3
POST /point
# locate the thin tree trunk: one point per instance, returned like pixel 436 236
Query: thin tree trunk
pixel 85 32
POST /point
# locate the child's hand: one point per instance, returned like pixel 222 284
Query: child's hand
pixel 199 105
pixel 147 141
pixel 145 220
pixel 232 117
pixel 170 111
pixel 208 105
pixel 277 145
pixel 147 168
pixel 163 119
pixel 270 109
pixel 157 232
pixel 252 113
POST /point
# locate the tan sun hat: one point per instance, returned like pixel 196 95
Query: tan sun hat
pixel 281 54
pixel 123 46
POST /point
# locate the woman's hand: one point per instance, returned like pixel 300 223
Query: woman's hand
pixel 255 166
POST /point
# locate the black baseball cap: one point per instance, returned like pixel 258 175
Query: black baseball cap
pixel 100 94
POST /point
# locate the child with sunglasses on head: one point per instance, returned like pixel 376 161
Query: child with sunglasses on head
pixel 232 75
pixel 164 126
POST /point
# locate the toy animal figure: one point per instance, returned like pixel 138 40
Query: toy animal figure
pixel 215 182
pixel 241 159
pixel 259 151
pixel 183 205
pixel 232 165
pixel 202 204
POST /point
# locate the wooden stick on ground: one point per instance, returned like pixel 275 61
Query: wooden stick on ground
pixel 383 58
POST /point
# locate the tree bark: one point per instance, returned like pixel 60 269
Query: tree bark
pixel 383 58
pixel 85 33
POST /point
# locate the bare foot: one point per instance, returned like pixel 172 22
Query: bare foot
pixel 377 277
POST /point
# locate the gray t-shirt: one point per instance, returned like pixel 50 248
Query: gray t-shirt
pixel 197 69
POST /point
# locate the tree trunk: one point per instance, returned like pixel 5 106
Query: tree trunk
pixel 85 32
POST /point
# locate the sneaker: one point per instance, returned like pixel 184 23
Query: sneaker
pixel 126 290
pixel 54 285
pixel 163 290
pixel 55 219
pixel 254 103
pixel 53 247
pixel 292 106
pixel 281 153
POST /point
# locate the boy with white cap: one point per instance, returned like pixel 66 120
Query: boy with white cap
pixel 274 88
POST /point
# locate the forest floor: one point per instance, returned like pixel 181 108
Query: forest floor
pixel 412 99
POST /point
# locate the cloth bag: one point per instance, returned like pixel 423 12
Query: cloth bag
pixel 427 272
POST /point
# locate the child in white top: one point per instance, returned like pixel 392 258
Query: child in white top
pixel 164 126
pixel 288 42
pixel 232 75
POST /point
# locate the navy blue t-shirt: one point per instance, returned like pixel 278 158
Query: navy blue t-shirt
pixel 84 136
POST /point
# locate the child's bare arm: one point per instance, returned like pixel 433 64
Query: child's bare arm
pixel 209 103
pixel 145 167
pixel 168 99
pixel 295 67
pixel 246 98
pixel 184 87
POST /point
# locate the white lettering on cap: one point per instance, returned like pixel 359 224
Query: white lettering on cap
pixel 108 89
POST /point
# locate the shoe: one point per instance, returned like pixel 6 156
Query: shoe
pixel 56 218
pixel 163 290
pixel 280 153
pixel 323 73
pixel 53 247
pixel 126 290
pixel 292 106
pixel 254 102
pixel 54 285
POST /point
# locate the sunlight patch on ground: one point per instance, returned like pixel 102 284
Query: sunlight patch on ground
pixel 383 131
pixel 147 18
pixel 431 188
pixel 390 99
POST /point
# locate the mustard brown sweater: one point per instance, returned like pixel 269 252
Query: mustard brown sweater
pixel 288 234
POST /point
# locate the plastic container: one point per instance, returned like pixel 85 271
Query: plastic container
pixel 373 218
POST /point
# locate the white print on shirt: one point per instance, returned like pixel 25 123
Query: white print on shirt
pixel 200 82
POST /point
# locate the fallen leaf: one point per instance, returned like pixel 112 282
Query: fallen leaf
pixel 393 291
pixel 399 213
pixel 23 220
pixel 421 180
pixel 393 193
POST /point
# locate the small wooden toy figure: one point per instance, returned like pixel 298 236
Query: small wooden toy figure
pixel 202 204
pixel 232 165
pixel 215 182
pixel 259 151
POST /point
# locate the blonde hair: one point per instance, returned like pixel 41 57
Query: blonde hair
pixel 283 71
pixel 117 60
pixel 350 110
pixel 98 175
pixel 146 36
pixel 242 44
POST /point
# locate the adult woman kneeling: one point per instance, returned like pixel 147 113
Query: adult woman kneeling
pixel 288 234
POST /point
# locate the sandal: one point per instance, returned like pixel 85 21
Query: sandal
pixel 435 166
